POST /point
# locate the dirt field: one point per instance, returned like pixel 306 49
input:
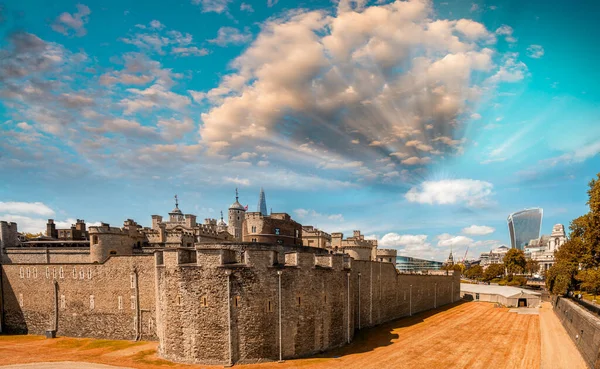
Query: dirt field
pixel 467 335
pixel 558 350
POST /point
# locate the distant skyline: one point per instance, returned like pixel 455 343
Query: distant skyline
pixel 423 124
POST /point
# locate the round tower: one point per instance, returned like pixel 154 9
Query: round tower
pixel 236 218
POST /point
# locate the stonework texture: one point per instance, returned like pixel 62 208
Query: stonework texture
pixel 583 327
pixel 217 303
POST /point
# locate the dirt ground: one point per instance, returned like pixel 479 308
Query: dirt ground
pixel 558 350
pixel 465 335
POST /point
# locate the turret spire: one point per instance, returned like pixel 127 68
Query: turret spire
pixel 176 202
pixel 236 194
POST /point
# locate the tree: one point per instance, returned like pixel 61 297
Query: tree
pixel 515 261
pixel 31 235
pixel 493 271
pixel 590 280
pixel 475 271
pixel 532 266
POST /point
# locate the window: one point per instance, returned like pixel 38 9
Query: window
pixel 325 298
pixel 21 300
pixel 63 302
pixel 74 273
pixel 95 240
pixel 299 301
pixel 404 295
pixel 269 307
pixel 253 229
pixel 132 281
pixel 28 273
pixel 254 240
pixel 477 297
pixel 61 273
pixel 204 301
pixel 47 272
pixel 236 301
pixel 92 302
pixel 89 273
pixel 280 242
pixel 81 273
pixel 297 233
pixel 34 272
pixel 120 302
pixel 132 302
pixel 21 272
pixel 277 231
pixel 54 273
pixel 112 252
pixel 178 300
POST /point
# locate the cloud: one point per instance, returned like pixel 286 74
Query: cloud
pixel 155 38
pixel 237 181
pixel 313 216
pixel 231 36
pixel 214 6
pixel 470 192
pixel 416 161
pixel 376 76
pixel 271 3
pixel 535 51
pixel 476 230
pixel 507 32
pixel 408 244
pixel 72 24
pixel 447 240
pixel 511 71
pixel 246 8
pixel 38 208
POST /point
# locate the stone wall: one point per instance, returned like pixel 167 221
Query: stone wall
pixel 583 327
pixel 36 255
pixel 92 300
pixel 324 299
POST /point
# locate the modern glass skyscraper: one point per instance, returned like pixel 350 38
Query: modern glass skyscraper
pixel 262 203
pixel 524 226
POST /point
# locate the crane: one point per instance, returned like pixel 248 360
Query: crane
pixel 465 258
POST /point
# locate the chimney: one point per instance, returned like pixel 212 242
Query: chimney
pixel 51 229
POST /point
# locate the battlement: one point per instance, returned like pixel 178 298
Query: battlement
pixel 8 235
pixel 387 252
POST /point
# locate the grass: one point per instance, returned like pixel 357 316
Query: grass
pixel 147 357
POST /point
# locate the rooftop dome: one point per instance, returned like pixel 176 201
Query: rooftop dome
pixel 236 205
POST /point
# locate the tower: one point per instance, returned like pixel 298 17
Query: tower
pixel 221 225
pixel 236 218
pixel 176 216
pixel 262 203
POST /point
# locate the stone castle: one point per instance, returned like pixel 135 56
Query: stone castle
pixel 260 287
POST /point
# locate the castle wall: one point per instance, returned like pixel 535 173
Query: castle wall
pixel 324 299
pixel 92 300
pixel 51 255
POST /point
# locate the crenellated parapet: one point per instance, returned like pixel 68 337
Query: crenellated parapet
pixel 106 241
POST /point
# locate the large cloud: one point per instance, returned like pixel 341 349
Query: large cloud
pixel 364 83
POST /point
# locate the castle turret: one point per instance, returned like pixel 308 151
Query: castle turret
pixel 51 229
pixel 236 218
pixel 176 215
pixel 8 236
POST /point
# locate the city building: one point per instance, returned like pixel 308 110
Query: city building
pixel 495 256
pixel 524 226
pixel 409 264
pixel 542 249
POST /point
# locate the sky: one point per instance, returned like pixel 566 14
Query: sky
pixel 422 124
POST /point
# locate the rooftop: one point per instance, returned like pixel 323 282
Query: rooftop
pixel 506 291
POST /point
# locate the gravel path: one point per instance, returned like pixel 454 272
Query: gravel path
pixel 558 350
pixel 64 365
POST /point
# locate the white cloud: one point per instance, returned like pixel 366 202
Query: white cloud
pixel 475 116
pixel 231 36
pixel 535 51
pixel 38 208
pixel 332 73
pixel 451 191
pixel 312 216
pixel 476 230
pixel 408 244
pixel 214 6
pixel 72 24
pixel 27 224
pixel 507 32
pixel 237 181
pixel 246 8
pixel 447 240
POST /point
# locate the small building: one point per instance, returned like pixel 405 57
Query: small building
pixel 276 228
pixel 408 264
pixel 505 295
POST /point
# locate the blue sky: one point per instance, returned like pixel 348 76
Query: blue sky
pixel 423 124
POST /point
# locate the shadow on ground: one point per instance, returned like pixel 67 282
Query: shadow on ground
pixel 368 339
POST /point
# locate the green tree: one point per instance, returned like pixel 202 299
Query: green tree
pixel 515 261
pixel 493 271
pixel 475 271
pixel 590 280
pixel 532 266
